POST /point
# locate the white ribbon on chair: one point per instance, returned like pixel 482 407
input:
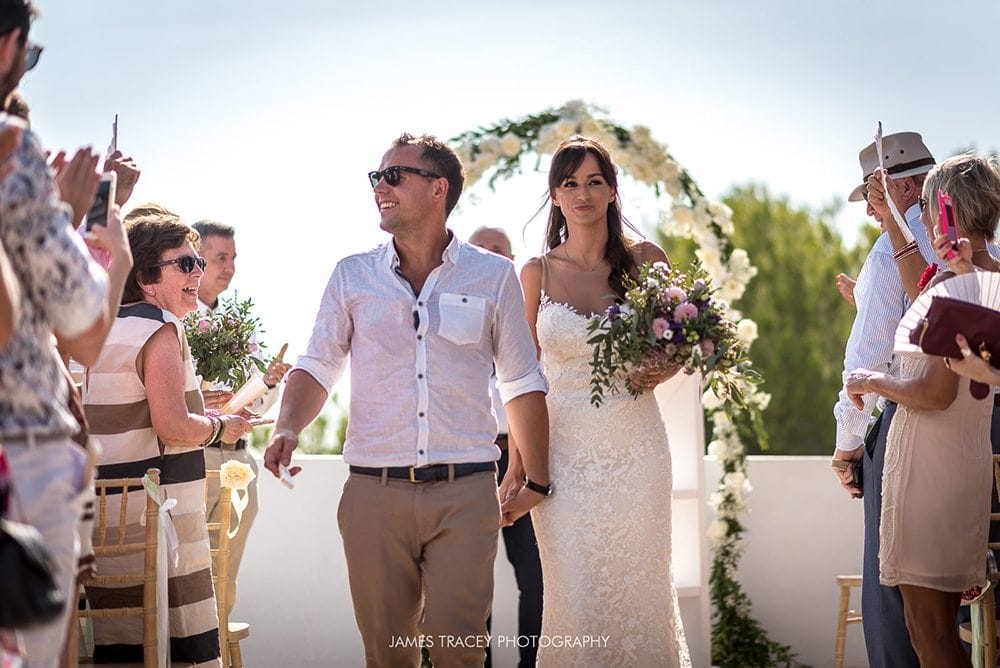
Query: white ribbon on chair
pixel 900 221
pixel 239 504
pixel 167 544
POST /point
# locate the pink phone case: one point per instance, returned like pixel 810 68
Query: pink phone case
pixel 946 221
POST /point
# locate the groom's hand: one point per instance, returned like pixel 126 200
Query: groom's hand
pixel 519 504
pixel 843 465
pixel 279 452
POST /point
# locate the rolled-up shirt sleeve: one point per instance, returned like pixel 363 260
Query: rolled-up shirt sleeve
pixel 517 367
pixel 326 356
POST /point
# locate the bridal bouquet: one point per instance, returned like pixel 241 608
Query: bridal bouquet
pixel 223 343
pixel 668 319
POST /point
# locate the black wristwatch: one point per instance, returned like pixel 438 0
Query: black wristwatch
pixel 544 490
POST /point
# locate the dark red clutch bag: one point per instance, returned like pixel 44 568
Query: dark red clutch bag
pixel 946 317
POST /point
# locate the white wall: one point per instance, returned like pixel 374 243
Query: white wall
pixel 802 531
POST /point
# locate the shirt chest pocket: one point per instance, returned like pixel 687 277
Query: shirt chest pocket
pixel 462 318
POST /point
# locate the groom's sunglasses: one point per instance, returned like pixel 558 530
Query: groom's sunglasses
pixel 186 263
pixel 391 174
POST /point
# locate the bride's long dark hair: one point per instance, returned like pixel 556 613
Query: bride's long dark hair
pixel 567 159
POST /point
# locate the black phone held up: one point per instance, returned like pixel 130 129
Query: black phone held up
pixel 98 213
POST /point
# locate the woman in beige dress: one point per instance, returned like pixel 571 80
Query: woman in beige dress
pixel 937 481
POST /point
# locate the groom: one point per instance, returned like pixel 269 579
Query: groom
pixel 423 319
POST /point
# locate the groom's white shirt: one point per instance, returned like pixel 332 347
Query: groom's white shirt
pixel 421 365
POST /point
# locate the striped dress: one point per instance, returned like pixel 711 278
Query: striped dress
pixel 115 403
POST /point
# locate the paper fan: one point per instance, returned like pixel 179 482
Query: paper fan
pixel 969 305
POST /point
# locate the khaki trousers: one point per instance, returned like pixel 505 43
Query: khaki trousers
pixel 420 564
pixel 215 458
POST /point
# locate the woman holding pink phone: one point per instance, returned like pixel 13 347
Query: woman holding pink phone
pixel 938 474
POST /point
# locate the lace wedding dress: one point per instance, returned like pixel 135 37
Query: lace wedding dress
pixel 604 536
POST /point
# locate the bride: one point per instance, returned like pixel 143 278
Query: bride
pixel 604 535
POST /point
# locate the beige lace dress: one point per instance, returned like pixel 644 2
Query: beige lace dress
pixel 604 536
pixel 936 490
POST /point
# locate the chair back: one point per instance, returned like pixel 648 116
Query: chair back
pixel 112 496
pixel 218 534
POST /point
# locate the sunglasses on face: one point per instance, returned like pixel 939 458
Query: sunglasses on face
pixel 922 202
pixel 186 263
pixel 391 174
pixel 32 52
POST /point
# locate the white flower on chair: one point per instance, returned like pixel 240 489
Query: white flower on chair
pixel 236 475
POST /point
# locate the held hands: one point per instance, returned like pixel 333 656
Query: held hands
pixel 279 452
pixel 960 263
pixel 857 385
pixel 519 504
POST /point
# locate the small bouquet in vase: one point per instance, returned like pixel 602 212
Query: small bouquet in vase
pixel 223 343
pixel 668 319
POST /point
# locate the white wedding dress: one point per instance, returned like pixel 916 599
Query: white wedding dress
pixel 604 535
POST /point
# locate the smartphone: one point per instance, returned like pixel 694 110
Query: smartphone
pixel 98 214
pixel 946 220
pixel 858 478
pixel 113 146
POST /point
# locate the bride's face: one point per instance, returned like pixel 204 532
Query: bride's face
pixel 584 195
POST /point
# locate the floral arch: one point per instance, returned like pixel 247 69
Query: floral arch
pixel 498 151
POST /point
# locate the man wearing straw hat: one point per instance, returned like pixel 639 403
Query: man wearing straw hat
pixel 881 301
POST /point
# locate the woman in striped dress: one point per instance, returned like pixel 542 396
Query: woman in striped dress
pixel 165 429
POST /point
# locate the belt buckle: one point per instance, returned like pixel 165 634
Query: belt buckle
pixel 412 479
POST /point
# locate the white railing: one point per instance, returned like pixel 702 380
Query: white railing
pixel 802 531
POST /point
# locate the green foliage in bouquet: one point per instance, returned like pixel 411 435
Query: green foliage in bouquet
pixel 223 343
pixel 668 319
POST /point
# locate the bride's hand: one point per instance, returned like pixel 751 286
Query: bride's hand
pixel 518 505
pixel 647 380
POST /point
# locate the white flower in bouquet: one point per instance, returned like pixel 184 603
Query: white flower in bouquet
pixel 235 475
pixel 746 331
pixel 710 400
pixel 489 148
pixel 673 187
pixel 510 145
pixel 549 137
pixel 736 483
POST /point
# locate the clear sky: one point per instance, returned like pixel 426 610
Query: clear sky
pixel 267 115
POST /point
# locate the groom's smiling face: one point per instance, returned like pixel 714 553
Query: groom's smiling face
pixel 409 200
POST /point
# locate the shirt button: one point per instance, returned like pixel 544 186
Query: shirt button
pixel 420 452
pixel 420 414
pixel 420 375
pixel 464 300
pixel 420 337
pixel 420 303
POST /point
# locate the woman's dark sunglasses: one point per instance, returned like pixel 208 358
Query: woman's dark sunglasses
pixel 922 201
pixel 391 174
pixel 186 263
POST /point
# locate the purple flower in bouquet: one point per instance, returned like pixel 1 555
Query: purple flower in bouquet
pixel 707 348
pixel 685 311
pixel 204 326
